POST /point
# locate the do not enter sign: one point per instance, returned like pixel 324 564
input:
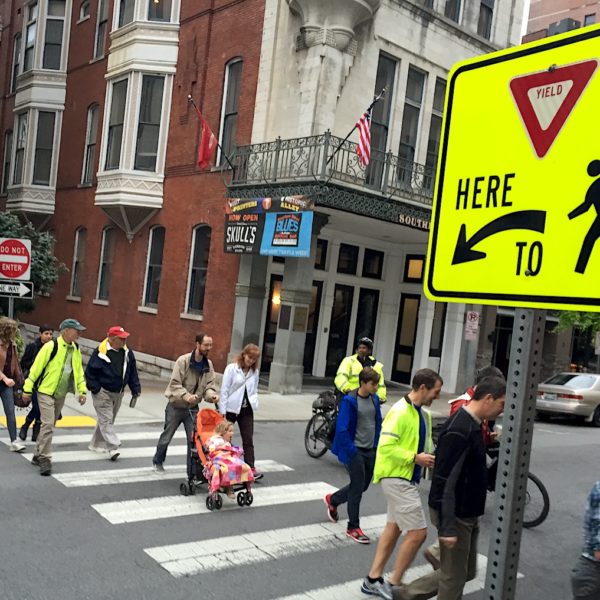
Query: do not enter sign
pixel 15 259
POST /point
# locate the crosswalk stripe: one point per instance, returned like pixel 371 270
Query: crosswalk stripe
pixel 87 455
pixel 124 436
pixel 233 551
pixel 146 509
pixel 140 474
pixel 350 590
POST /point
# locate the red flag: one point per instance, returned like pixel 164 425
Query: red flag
pixel 207 144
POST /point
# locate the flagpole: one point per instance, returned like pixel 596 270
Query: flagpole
pixel 191 101
pixel 375 101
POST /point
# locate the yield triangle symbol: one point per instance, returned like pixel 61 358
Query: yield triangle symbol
pixel 546 99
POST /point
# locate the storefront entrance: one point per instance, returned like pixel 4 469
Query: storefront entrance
pixel 406 334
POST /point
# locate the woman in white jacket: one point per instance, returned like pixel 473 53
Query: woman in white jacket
pixel 239 398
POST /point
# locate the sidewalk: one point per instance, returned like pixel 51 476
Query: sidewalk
pixel 151 404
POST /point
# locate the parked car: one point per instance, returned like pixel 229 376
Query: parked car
pixel 570 394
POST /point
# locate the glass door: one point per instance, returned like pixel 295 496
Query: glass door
pixel 408 320
pixel 274 301
pixel 313 326
pixel 339 328
pixel 366 317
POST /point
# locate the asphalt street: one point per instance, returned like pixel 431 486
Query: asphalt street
pixel 98 530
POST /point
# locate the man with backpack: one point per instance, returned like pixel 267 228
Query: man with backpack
pixel 57 369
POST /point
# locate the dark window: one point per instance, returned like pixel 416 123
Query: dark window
pixel 30 35
pixel 437 329
pixel 149 123
pixel 414 268
pixel 198 269
pixel 279 259
pixel 372 264
pixel 486 15
pixel 159 10
pixel 54 34
pixel 366 316
pixel 435 131
pixel 21 141
pixel 8 141
pixel 153 272
pixel 90 145
pixel 106 259
pixel 233 78
pixel 43 148
pixel 452 10
pixel 16 62
pixel 589 19
pixel 115 125
pixel 101 27
pixel 321 255
pixel 78 263
pixel 347 259
pixel 126 8
pixel 84 10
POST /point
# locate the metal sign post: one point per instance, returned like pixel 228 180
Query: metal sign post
pixel 11 307
pixel 515 446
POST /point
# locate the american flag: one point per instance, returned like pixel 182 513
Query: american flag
pixel 363 148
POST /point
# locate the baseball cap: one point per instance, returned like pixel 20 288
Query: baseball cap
pixel 71 324
pixel 117 331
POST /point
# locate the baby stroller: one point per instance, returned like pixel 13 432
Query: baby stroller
pixel 204 427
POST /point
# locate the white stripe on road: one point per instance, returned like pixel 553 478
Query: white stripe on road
pixel 136 475
pixel 239 550
pixel 127 436
pixel 87 455
pixel 552 431
pixel 351 589
pixel 147 509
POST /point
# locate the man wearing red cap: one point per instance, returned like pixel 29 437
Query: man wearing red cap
pixel 111 367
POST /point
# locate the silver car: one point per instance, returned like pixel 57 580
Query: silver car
pixel 570 394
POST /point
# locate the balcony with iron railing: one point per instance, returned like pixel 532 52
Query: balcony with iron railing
pixel 323 163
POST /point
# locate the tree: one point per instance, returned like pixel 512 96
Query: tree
pixel 586 321
pixel 45 267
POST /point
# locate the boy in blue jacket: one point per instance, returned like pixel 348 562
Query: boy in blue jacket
pixel 356 436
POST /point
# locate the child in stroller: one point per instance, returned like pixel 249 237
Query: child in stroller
pixel 216 462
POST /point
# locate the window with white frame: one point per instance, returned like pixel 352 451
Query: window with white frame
pixel 410 123
pixel 159 10
pixel 115 125
pixel 198 269
pixel 101 27
pixel 84 10
pixel 106 259
pixel 44 143
pixel 91 134
pixel 21 143
pixel 229 112
pixel 78 262
pixel 452 10
pixel 148 130
pixel 16 62
pixel 156 244
pixel 8 140
pixel 435 131
pixel 486 15
pixel 30 35
pixel 55 21
pixel 126 10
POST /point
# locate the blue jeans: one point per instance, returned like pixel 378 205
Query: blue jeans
pixel 34 413
pixel 8 403
pixel 174 417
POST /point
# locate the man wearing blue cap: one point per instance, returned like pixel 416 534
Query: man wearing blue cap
pixel 57 369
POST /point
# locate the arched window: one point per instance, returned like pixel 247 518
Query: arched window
pixel 156 243
pixel 78 262
pixel 198 269
pixel 106 259
pixel 84 10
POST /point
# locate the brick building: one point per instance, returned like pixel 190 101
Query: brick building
pixel 100 147
pixel 549 17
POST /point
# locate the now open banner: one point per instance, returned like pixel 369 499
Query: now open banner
pixel 269 226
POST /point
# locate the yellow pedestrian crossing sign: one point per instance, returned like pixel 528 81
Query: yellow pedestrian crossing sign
pixel 516 214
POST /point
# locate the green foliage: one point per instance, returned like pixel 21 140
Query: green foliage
pixel 586 321
pixel 45 268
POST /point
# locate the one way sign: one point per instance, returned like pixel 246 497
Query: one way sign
pixel 18 289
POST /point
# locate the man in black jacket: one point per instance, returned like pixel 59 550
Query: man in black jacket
pixel 457 495
pixel 111 367
pixel 31 351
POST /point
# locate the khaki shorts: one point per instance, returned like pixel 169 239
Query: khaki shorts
pixel 403 504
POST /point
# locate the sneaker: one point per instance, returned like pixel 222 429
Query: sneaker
pixel 257 474
pixel 332 512
pixel 158 468
pixel 113 454
pixel 358 536
pixel 17 446
pixel 378 588
pixel 45 467
pixel 432 559
pixel 35 461
pixel 97 449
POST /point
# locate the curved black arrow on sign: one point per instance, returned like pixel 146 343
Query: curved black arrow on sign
pixel 522 219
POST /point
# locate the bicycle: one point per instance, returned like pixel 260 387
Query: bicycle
pixel 320 429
